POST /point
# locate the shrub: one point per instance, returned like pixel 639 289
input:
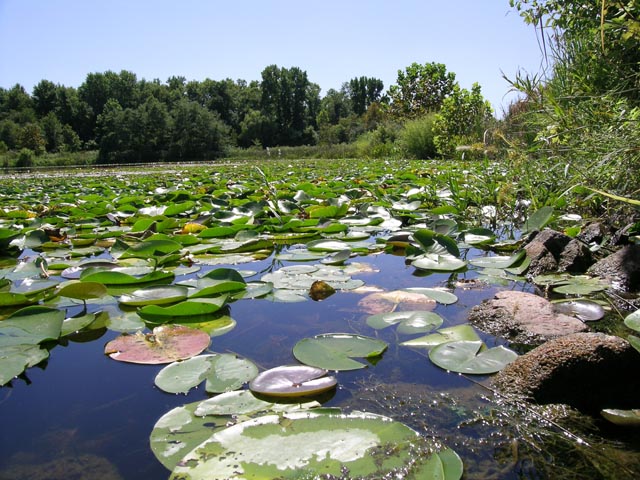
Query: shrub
pixel 25 158
pixel 416 138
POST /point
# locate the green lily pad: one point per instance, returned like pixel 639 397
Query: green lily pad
pixel 316 443
pixel 634 341
pixel 439 263
pixel 581 285
pixel 75 324
pixel 111 277
pixel 627 418
pixel 81 290
pixel 335 351
pixel 451 334
pixel 499 261
pixel 223 372
pixel 188 308
pixel 166 344
pixel 179 431
pixel 439 295
pixel 155 295
pixel 15 359
pixel 152 248
pixel 292 381
pixel 469 357
pixel 633 321
pixel 409 322
pixel 31 326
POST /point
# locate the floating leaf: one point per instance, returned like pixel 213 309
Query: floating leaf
pixel 409 322
pixel 627 418
pixel 166 344
pixel 223 372
pixel 292 381
pixel 31 325
pixel 581 309
pixel 74 324
pixel 152 248
pixel 633 321
pixel 498 261
pixel 155 295
pixel 469 357
pixel 179 431
pixel 634 341
pixel 382 302
pixel 335 351
pixel 439 295
pixel 244 402
pixel 119 278
pixel 538 219
pixel 439 263
pixel 581 285
pixel 282 446
pixel 450 334
pixel 15 359
pixel 81 290
pixel 188 308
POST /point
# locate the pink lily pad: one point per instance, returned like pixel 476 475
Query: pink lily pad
pixel 166 344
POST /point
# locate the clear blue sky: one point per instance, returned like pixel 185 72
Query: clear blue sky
pixel 333 40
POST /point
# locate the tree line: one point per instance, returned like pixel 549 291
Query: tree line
pixel 134 120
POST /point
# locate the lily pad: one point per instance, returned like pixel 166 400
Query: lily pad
pixel 293 381
pixel 335 351
pixel 223 372
pixel 31 326
pixel 81 290
pixel 166 344
pixel 319 444
pixel 439 263
pixel 439 295
pixel 450 334
pixel 15 359
pixel 633 321
pixel 581 309
pixel 470 357
pixel 179 431
pixel 499 261
pixel 408 322
pixel 627 418
pixel 155 295
pixel 188 308
pixel 383 302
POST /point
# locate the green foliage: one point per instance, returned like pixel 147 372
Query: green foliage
pixel 25 158
pixel 417 137
pixel 420 89
pixel 464 117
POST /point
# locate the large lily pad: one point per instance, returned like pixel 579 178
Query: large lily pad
pixel 627 418
pixel 335 351
pixel 633 321
pixel 166 344
pixel 31 326
pixel 439 263
pixel 470 357
pixel 318 444
pixel 14 359
pixel 293 381
pixel 450 334
pixel 187 309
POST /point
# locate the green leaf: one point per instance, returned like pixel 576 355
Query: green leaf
pixel 439 295
pixel 439 263
pixel 467 357
pixel 188 308
pixel 627 418
pixel 450 334
pixel 31 326
pixel 538 219
pixel 15 359
pixel 118 278
pixel 498 261
pixel 409 322
pixel 155 295
pixel 81 290
pixel 633 321
pixel 335 351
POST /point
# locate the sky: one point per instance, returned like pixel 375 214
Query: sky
pixel 332 40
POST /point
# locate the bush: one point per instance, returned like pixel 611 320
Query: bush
pixel 416 138
pixel 25 158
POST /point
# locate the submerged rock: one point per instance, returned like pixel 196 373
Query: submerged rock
pixel 552 251
pixel 523 318
pixel 589 371
pixel 621 269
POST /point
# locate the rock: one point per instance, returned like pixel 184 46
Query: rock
pixel 523 318
pixel 589 371
pixel 621 269
pixel 592 233
pixel 552 251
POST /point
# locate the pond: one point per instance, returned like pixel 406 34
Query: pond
pixel 80 414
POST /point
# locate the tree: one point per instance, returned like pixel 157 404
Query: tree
pixel 291 102
pixel 31 137
pixel 52 132
pixel 462 120
pixel 363 91
pixel 197 133
pixel 45 97
pixel 420 89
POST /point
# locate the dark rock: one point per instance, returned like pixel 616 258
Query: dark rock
pixel 552 251
pixel 589 371
pixel 621 269
pixel 592 233
pixel 523 318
